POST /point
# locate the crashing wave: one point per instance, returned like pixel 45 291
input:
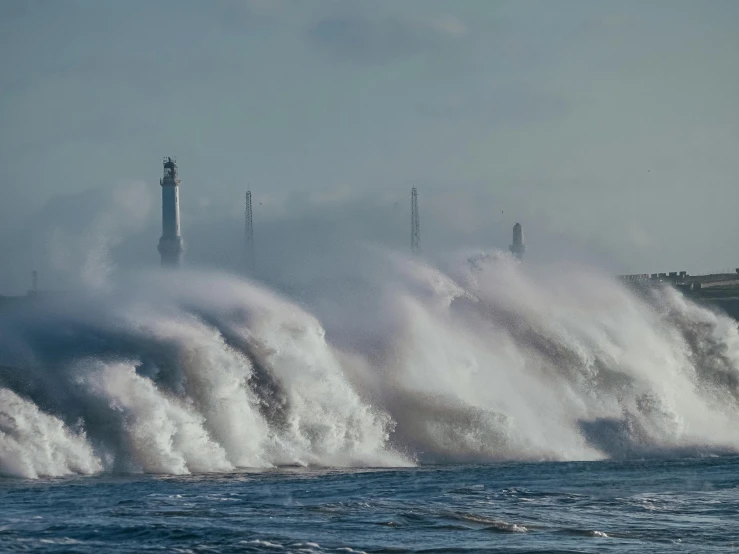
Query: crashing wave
pixel 203 372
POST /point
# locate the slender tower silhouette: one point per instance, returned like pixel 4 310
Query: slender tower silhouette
pixel 249 233
pixel 415 223
pixel 518 247
pixel 171 247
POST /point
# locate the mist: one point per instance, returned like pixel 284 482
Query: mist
pixel 608 131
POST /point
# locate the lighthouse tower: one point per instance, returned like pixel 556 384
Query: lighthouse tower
pixel 170 245
pixel 518 247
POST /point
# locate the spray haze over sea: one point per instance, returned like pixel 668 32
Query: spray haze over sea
pixel 391 362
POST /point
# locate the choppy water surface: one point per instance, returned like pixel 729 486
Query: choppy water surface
pixel 637 506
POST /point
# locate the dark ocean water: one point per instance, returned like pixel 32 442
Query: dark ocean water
pixel 688 505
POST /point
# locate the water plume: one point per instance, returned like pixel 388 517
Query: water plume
pixel 392 362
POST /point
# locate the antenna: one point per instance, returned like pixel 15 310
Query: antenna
pixel 415 223
pixel 34 276
pixel 249 233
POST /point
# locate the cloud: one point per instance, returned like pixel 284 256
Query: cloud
pixel 382 40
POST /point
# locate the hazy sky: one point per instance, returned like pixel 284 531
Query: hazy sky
pixel 610 129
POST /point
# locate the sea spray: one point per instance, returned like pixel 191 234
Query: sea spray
pixel 167 382
pixel 398 363
pixel 34 444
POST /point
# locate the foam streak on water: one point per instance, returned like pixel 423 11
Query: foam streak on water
pixel 198 372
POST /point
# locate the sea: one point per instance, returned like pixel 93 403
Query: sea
pixel 675 505
pixel 388 405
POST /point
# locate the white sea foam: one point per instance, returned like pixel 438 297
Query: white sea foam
pixel 34 444
pixel 489 360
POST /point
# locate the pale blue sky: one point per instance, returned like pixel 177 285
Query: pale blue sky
pixel 609 129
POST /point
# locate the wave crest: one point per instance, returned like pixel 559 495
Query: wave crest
pixel 490 360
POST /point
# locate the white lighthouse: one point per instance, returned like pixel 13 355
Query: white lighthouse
pixel 170 245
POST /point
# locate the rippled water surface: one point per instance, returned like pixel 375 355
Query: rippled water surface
pixel 636 506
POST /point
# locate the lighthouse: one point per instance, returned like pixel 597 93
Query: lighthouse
pixel 171 247
pixel 518 247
